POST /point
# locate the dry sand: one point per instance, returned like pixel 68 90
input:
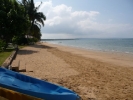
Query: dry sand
pixel 93 75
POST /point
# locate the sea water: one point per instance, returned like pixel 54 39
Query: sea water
pixel 113 45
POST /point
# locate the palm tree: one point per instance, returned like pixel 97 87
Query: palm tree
pixel 34 16
pixel 36 33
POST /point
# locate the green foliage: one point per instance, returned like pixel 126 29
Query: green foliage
pixel 13 20
pixel 4 55
pixel 2 45
pixel 18 19
pixel 33 40
pixel 35 17
pixel 36 32
pixel 20 40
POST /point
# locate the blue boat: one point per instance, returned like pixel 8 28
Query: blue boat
pixel 34 87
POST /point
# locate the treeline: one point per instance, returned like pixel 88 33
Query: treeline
pixel 20 22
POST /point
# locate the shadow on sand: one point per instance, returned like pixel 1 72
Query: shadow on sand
pixel 40 46
pixel 23 51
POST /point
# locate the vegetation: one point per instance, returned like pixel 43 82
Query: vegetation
pixel 36 18
pixel 6 53
pixel 12 19
pixel 20 23
pixel 18 20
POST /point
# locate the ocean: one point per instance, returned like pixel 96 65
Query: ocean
pixel 124 45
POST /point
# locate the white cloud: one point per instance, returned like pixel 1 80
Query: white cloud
pixel 62 9
pixel 83 14
pixel 54 21
pixel 63 22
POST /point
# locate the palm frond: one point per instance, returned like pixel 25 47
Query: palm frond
pixel 38 24
pixel 40 17
pixel 38 7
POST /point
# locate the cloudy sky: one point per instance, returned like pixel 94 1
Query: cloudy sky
pixel 87 18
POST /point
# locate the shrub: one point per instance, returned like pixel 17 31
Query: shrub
pixel 2 45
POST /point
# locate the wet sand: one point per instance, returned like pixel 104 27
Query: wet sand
pixel 94 75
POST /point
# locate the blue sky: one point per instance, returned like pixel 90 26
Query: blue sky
pixel 87 18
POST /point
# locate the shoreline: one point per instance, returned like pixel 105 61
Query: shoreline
pixel 104 56
pixel 89 49
pixel 101 47
pixel 92 75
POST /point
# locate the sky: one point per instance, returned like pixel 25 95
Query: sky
pixel 87 18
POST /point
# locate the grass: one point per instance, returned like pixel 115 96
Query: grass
pixel 5 54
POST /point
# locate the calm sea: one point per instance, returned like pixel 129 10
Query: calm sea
pixel 113 45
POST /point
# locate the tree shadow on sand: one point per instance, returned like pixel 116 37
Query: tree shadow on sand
pixel 22 52
pixel 41 46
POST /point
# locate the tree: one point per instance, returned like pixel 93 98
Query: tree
pixel 13 21
pixel 35 17
pixel 36 32
pixel 17 18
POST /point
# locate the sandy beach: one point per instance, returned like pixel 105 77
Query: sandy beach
pixel 94 75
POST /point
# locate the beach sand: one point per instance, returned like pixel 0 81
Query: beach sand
pixel 94 75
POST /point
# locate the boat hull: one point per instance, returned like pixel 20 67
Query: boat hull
pixel 34 87
pixel 13 95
